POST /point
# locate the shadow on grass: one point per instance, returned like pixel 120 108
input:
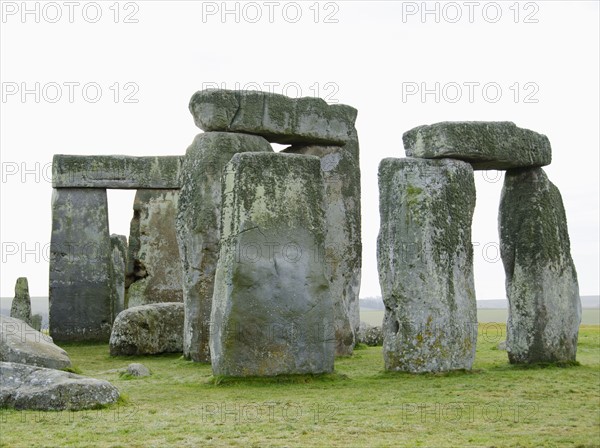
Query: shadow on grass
pixel 384 374
pixel 278 379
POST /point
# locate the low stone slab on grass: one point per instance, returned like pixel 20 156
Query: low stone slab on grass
pixel 23 344
pixel 487 145
pixel 37 388
pixel 148 330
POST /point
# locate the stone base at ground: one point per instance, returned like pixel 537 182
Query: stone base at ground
pixel 148 330
pixel 21 343
pixel 27 387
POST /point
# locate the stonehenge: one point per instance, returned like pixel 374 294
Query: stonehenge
pixel 425 260
pixel 250 259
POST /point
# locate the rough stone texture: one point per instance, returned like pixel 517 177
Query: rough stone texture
pixel 277 118
pixel 82 285
pixel 119 258
pixel 369 335
pixel 154 271
pixel 37 388
pixel 343 248
pixel 137 369
pixel 148 330
pixel 21 343
pixel 122 172
pixel 487 145
pixel 198 218
pixel 425 262
pixel 541 282
pixel 21 304
pixel 272 310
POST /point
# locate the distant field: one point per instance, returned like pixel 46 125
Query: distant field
pixel 588 316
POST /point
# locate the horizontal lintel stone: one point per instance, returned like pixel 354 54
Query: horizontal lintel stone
pixel 116 171
pixel 487 145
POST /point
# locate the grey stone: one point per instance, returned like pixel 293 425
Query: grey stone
pixel 148 330
pixel 197 224
pixel 343 247
pixel 21 304
pixel 121 172
pixel 23 344
pixel 487 145
pixel 154 271
pixel 369 335
pixel 137 369
pixel 272 309
pixel 541 282
pixel 277 118
pixel 501 345
pixel 36 388
pixel 425 263
pixel 82 286
pixel 119 258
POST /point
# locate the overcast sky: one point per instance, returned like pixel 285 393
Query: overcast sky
pixel 95 78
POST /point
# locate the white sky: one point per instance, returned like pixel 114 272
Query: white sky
pixel 374 53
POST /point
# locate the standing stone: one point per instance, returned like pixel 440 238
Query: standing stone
pixel 198 218
pixel 119 256
pixel 21 304
pixel 82 285
pixel 154 272
pixel 541 281
pixel 425 262
pixel 343 248
pixel 272 309
pixel 487 145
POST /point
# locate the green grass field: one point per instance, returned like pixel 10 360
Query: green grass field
pixel 495 405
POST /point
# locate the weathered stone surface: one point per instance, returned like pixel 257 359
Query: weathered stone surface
pixel 425 262
pixel 272 310
pixel 119 258
pixel 487 145
pixel 148 330
pixel 343 248
pixel 23 344
pixel 541 281
pixel 154 271
pixel 137 369
pixel 198 218
pixel 37 388
pixel 21 304
pixel 122 172
pixel 369 335
pixel 277 118
pixel 82 285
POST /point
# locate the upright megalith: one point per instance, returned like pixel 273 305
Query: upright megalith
pixel 487 145
pixel 118 244
pixel 541 282
pixel 425 263
pixel 343 248
pixel 154 272
pixel 272 309
pixel 197 226
pixel 278 118
pixel 82 285
pixel 21 304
